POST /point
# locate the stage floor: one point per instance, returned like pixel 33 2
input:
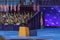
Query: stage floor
pixel 47 33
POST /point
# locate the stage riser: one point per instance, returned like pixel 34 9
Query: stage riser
pixel 28 39
pixel 9 27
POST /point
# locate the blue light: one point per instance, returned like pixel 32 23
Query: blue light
pixel 52 8
pixel 59 11
pixel 52 16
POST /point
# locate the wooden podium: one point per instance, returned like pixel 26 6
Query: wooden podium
pixel 23 31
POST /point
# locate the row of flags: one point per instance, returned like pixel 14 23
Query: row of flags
pixel 16 8
pixel 6 7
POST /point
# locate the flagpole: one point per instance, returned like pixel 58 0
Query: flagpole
pixel 7 8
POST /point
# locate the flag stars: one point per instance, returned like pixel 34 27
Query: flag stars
pixel 52 23
pixel 52 17
pixel 57 23
pixel 52 8
pixel 47 24
pixel 59 11
pixel 46 20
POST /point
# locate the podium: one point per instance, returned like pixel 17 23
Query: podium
pixel 23 31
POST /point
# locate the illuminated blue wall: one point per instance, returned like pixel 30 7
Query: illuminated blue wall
pixel 52 16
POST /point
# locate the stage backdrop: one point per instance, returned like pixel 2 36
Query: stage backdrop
pixel 51 16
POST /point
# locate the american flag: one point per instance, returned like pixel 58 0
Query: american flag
pixel 34 7
pixel 19 7
pixel 1 7
pixel 11 7
pixel 5 7
pixel 14 7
